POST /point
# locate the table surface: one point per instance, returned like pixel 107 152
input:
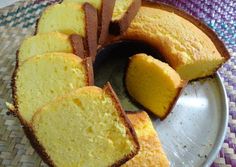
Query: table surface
pixel 4 3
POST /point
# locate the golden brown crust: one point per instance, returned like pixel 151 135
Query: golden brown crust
pixel 13 85
pixel 91 22
pixel 202 26
pixel 36 26
pixel 26 127
pixel 104 20
pixel 131 132
pixel 118 27
pixel 77 45
pixel 89 70
pixel 37 146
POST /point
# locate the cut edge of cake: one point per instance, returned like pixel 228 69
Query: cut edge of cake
pixel 181 86
pixel 119 26
pixel 29 130
pixel 108 89
pixel 172 104
pixel 87 62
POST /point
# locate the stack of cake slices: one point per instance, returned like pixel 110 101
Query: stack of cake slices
pixel 71 122
pixel 62 113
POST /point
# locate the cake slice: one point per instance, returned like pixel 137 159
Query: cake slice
pixel 153 84
pixel 187 44
pixel 72 18
pixel 105 10
pixel 41 78
pixel 86 128
pixel 123 14
pixel 50 42
pixel 151 153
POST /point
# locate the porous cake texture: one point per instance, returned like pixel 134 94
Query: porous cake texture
pixel 49 42
pixel 41 78
pixel 105 10
pixel 72 18
pixel 85 128
pixel 153 84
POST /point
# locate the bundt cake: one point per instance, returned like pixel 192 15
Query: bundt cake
pixel 188 45
pixel 41 78
pixel 105 10
pixel 151 153
pixel 85 128
pixel 50 42
pixel 72 18
pixel 153 84
pixel 123 14
pixel 72 123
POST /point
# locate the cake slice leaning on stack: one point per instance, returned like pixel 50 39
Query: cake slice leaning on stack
pixel 158 86
pixel 151 153
pixel 72 18
pixel 50 42
pixel 105 10
pixel 41 78
pixel 85 128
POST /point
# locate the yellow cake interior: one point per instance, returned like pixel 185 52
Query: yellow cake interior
pixel 152 83
pixel 151 153
pixel 82 129
pixel 68 18
pixel 41 78
pixel 185 47
pixel 121 6
pixel 96 3
pixel 44 43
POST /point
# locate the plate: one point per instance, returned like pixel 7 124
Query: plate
pixel 194 131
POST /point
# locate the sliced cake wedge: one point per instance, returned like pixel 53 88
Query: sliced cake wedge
pixel 72 18
pixel 88 126
pixel 105 10
pixel 123 14
pixel 154 84
pixel 50 42
pixel 41 78
pixel 151 153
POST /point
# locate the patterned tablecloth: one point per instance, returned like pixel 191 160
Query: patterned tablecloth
pixel 18 21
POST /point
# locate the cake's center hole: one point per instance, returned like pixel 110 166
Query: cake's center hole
pixel 111 63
